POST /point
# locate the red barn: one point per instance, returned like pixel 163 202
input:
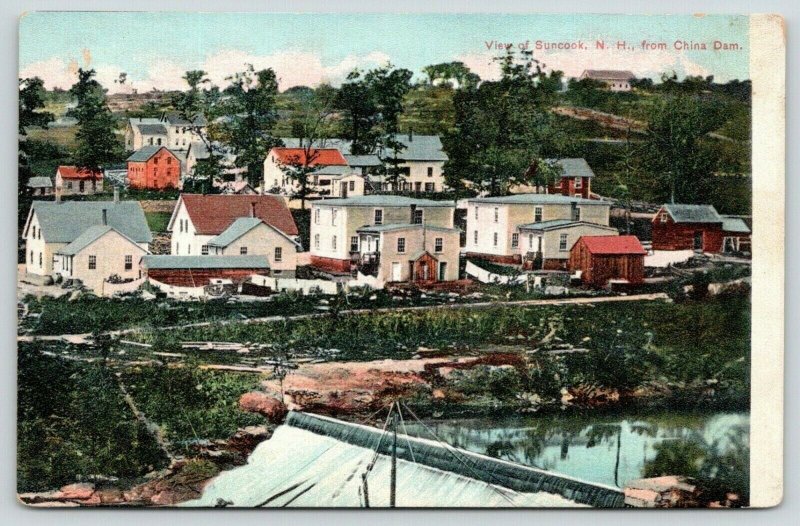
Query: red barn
pixel 198 271
pixel 154 168
pixel 697 227
pixel 603 258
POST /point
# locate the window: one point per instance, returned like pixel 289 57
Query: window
pixel 378 216
pixel 128 262
pixel 475 237
pixel 496 214
pixel 333 243
pixel 430 187
pixel 155 161
pixel 92 262
pixel 278 254
pixel 354 244
pixel 530 240
pixel 576 214
pixel 243 251
pixel 438 244
pixel 664 217
pixel 476 213
pixel 562 242
pixel 158 142
pixel 495 238
pixel 81 186
pixel 352 186
pixel 514 240
pixel 204 250
pixel 316 216
pixel 316 241
pixel 34 232
pixel 401 245
pixel 169 160
pixel 430 171
pixel 418 186
pixel 418 217
pixel 537 214
pixel 40 260
pixel 578 183
pixel 333 216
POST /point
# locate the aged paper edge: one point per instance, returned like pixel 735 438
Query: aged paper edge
pixel 768 74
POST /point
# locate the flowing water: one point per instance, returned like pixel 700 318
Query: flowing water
pixel 608 449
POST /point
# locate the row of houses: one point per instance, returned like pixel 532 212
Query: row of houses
pixel 382 238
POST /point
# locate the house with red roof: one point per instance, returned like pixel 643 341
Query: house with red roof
pixel 71 180
pixel 601 259
pixel 236 225
pixel 330 175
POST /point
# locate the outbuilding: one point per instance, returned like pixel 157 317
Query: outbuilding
pixel 600 259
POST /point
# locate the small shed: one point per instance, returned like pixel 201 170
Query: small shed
pixel 604 258
pixel 40 185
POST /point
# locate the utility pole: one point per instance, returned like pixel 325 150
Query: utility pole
pixel 393 482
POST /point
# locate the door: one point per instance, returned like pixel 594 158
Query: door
pixel 698 240
pixel 396 271
pixel 343 189
pixel 442 271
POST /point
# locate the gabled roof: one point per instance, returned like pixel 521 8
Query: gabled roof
pixel 73 172
pixel 212 214
pixel 89 236
pixel 145 153
pixel 152 129
pixel 610 245
pixel 64 222
pixel 204 262
pixel 608 74
pixel 417 147
pixel 538 199
pixel 238 228
pixel 693 213
pixel 734 224
pixel 383 200
pixel 40 182
pixel 362 160
pixel 558 224
pixel 176 119
pixel 572 167
pixel 319 157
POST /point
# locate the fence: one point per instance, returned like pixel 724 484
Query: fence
pixel 484 276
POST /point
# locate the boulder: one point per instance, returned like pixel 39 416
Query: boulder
pixel 263 404
pixel 79 491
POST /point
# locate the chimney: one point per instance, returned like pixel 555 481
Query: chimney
pixel 116 194
pixel 410 134
pixel 253 209
pixel 58 194
pixel 105 217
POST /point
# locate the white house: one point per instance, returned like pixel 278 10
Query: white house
pixel 547 244
pixel 493 222
pixel 328 164
pixel 170 130
pixel 335 224
pixel 86 240
pixel 614 79
pixel 197 219
pixel 251 236
pixel 71 180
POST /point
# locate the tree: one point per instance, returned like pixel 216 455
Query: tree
pixel 251 116
pixel 31 102
pixel 98 144
pixel 502 127
pixel 676 154
pixel 199 101
pixel 447 72
pixel 311 124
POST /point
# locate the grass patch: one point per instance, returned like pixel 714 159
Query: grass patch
pixel 157 221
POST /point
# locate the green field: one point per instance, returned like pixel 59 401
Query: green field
pixel 157 221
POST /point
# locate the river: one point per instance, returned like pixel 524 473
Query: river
pixel 609 448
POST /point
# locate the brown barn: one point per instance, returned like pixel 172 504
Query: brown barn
pixel 698 227
pixel 603 258
pixel 197 271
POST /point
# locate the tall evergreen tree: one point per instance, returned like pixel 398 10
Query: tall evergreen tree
pixel 98 144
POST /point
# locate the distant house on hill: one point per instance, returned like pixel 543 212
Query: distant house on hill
pixel 575 179
pixel 71 180
pixel 85 240
pixel 601 259
pixel 170 130
pixel 614 79
pixel 154 168
pixel 698 227
pixel 40 186
pixel 235 225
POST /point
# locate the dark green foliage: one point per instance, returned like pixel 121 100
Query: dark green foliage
pixel 73 423
pixel 192 404
pixel 98 145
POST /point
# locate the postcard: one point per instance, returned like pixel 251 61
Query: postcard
pixel 400 260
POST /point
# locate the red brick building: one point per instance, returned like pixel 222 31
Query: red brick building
pixel 575 179
pixel 698 227
pixel 154 168
pixel 603 258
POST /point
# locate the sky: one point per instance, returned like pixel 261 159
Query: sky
pixel 156 49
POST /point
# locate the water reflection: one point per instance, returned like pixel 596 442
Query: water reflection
pixel 613 449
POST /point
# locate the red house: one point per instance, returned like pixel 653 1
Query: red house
pixel 698 227
pixel 575 179
pixel 154 168
pixel 604 258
